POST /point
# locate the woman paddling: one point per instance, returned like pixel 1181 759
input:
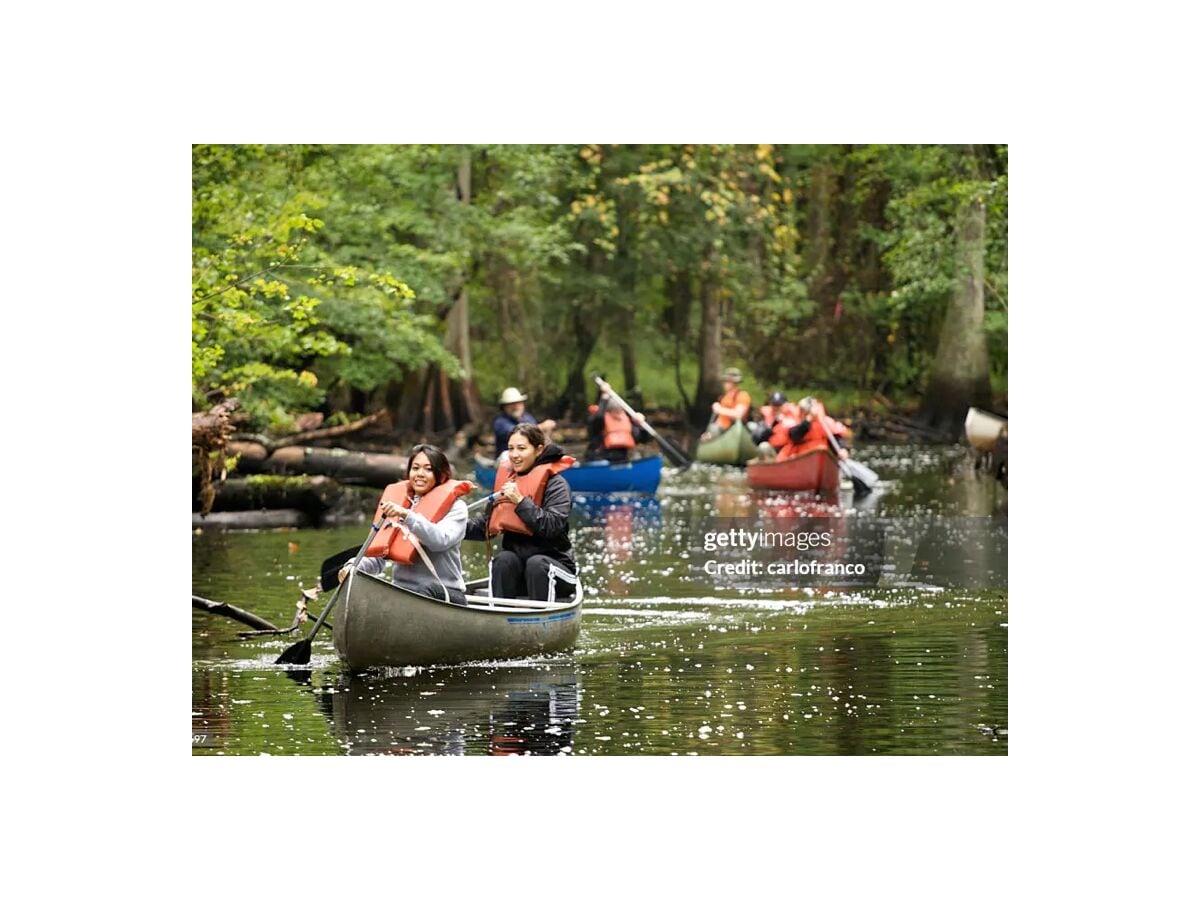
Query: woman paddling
pixel 531 513
pixel 425 507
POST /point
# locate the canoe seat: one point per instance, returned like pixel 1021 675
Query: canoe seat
pixel 553 574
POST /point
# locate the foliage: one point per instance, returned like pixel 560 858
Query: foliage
pixel 319 269
pixel 274 305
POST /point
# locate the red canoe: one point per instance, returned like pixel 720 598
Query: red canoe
pixel 815 470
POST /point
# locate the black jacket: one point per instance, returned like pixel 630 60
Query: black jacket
pixel 548 522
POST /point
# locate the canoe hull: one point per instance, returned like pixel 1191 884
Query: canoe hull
pixel 815 470
pixel 380 624
pixel 983 429
pixel 638 477
pixel 732 447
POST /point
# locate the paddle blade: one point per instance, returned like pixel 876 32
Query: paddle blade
pixel 298 654
pixel 860 473
pixel 339 559
pixel 329 579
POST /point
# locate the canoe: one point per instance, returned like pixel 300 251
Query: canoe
pixel 983 429
pixel 814 470
pixel 381 624
pixel 732 447
pixel 599 477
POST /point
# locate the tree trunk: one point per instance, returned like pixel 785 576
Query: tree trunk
pixel 466 405
pixel 708 384
pixel 574 396
pixel 959 378
pixel 428 402
pixel 627 280
pixel 679 289
pixel 633 391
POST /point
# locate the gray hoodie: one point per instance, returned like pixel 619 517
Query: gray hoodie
pixel 440 541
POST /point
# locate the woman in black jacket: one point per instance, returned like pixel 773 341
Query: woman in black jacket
pixel 531 514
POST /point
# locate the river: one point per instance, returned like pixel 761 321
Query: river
pixel 681 652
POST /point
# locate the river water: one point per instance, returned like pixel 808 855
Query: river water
pixel 682 651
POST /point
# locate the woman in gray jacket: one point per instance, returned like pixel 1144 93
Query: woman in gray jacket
pixel 428 506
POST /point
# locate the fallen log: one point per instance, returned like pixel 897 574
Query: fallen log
pixel 303 437
pixel 261 625
pixel 232 612
pixel 254 518
pixel 347 466
pixel 312 496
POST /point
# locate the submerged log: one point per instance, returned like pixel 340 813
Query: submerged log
pixel 232 612
pixel 261 625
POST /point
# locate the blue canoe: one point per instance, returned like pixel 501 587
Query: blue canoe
pixel 600 477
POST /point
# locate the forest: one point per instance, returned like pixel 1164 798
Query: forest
pixel 413 283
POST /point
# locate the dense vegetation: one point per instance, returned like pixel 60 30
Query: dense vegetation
pixel 332 276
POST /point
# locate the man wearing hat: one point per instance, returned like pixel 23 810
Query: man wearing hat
pixel 733 405
pixel 512 414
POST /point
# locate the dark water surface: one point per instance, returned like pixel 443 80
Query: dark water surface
pixel 909 658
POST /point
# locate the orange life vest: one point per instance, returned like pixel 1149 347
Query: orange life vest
pixel 532 485
pixel 736 397
pixel 391 541
pixel 789 415
pixel 618 430
pixel 832 425
pixel 816 437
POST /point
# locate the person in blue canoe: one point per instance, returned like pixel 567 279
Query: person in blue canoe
pixel 512 414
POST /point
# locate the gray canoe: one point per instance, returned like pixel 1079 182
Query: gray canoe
pixel 380 624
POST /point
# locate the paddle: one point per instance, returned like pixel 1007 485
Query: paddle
pixel 301 652
pixel 863 479
pixel 333 565
pixel 680 458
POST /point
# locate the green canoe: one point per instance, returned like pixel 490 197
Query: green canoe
pixel 732 447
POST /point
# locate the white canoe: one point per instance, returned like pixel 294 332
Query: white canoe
pixel 983 429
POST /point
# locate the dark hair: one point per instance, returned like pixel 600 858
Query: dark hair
pixel 536 436
pixel 437 461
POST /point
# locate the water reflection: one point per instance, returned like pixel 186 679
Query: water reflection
pixel 463 710
pixel 674 660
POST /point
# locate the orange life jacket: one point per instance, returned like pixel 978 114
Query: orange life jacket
pixel 832 425
pixel 789 415
pixel 618 430
pixel 736 397
pixel 816 437
pixel 532 485
pixel 391 541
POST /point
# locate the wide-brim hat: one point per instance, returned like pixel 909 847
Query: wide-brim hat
pixel 511 395
pixel 734 375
